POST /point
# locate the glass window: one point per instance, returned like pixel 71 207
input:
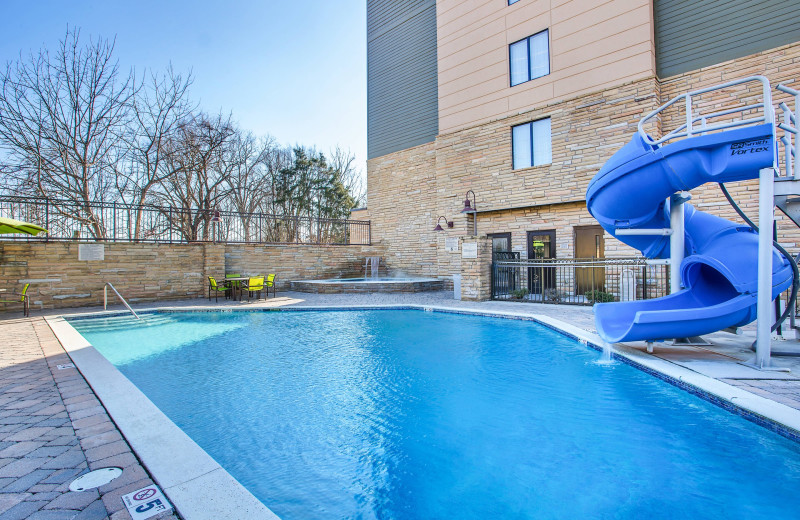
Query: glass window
pixel 512 2
pixel 529 58
pixel 531 144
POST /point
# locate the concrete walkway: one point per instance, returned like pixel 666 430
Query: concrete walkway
pixel 52 430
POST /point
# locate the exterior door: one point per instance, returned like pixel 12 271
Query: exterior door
pixel 501 242
pixel 503 281
pixel 541 246
pixel 589 245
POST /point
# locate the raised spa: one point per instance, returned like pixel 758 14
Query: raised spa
pixel 355 285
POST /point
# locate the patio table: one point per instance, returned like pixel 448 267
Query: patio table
pixel 233 289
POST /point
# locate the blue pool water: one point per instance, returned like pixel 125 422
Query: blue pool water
pixel 411 414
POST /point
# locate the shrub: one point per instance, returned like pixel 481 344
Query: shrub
pixel 597 296
pixel 519 293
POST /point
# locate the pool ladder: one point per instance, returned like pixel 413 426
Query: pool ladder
pixel 105 299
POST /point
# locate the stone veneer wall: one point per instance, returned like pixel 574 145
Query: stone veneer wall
pixel 152 272
pixel 476 273
pixel 401 190
pixel 409 189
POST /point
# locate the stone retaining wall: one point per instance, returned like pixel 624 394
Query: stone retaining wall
pixel 153 272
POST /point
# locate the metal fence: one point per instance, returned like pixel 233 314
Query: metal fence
pixel 119 222
pixel 578 281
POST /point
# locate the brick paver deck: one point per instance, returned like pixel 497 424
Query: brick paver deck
pixel 52 430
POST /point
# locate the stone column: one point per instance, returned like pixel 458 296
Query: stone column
pixel 476 268
pixel 213 264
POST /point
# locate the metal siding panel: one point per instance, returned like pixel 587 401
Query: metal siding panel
pixel 692 35
pixel 402 89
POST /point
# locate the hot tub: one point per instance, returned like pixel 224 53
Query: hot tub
pixel 365 285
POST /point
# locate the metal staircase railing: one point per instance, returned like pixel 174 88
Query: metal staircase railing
pixel 689 129
pixel 125 303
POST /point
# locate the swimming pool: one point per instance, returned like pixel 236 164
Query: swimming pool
pixel 411 414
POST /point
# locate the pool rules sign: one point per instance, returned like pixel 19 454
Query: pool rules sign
pixel 146 503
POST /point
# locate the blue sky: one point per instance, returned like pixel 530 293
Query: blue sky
pixel 295 70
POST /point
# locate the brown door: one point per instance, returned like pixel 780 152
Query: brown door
pixel 589 246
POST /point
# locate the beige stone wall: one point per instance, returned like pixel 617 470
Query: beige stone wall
pixel 402 205
pixel 587 130
pixel 297 262
pixel 593 46
pixel 562 218
pixel 151 272
pixel 409 189
pixel 476 273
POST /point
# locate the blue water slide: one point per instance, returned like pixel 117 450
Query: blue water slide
pixel 719 271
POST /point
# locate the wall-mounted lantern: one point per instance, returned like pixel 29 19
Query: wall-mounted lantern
pixel 471 207
pixel 439 226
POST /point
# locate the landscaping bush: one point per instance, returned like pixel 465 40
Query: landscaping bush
pixel 597 296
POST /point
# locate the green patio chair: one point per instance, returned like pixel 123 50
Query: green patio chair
pixel 23 299
pixel 270 283
pixel 233 285
pixel 216 289
pixel 254 285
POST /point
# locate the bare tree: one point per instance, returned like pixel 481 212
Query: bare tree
pixel 250 159
pixel 197 156
pixel 61 117
pixel 350 175
pixel 158 110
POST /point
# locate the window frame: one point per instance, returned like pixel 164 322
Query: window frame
pixel 528 49
pixel 531 142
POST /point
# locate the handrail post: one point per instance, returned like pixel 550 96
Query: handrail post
pixel 688 115
pixel 108 284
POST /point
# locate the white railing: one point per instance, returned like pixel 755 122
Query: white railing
pixel 689 129
pixel 789 138
pixel 105 299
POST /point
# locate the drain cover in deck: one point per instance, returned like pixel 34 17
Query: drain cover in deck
pixel 95 479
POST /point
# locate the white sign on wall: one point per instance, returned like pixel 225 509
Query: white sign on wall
pixel 91 252
pixel 451 244
pixel 469 250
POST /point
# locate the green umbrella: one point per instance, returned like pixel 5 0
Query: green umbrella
pixel 9 225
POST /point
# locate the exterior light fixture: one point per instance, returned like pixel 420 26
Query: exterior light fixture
pixel 471 207
pixel 439 226
pixel 216 217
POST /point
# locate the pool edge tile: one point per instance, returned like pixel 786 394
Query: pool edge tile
pixel 178 464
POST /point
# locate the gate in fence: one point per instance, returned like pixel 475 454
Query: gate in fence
pixel 577 281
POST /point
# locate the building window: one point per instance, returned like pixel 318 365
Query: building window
pixel 531 144
pixel 529 58
pixel 512 2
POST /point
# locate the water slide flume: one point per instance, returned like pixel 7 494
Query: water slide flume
pixel 719 272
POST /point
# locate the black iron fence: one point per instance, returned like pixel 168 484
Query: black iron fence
pixel 578 281
pixel 119 222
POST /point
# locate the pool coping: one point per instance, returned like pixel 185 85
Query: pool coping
pixel 140 420
pixel 196 485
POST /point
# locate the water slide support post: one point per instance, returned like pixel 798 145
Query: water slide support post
pixel 766 215
pixel 676 239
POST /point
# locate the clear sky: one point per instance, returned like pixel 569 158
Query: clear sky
pixel 293 69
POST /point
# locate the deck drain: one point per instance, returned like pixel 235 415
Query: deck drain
pixel 95 479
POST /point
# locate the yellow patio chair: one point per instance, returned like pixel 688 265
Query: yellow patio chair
pixel 270 282
pixel 216 289
pixel 255 284
pixel 23 299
